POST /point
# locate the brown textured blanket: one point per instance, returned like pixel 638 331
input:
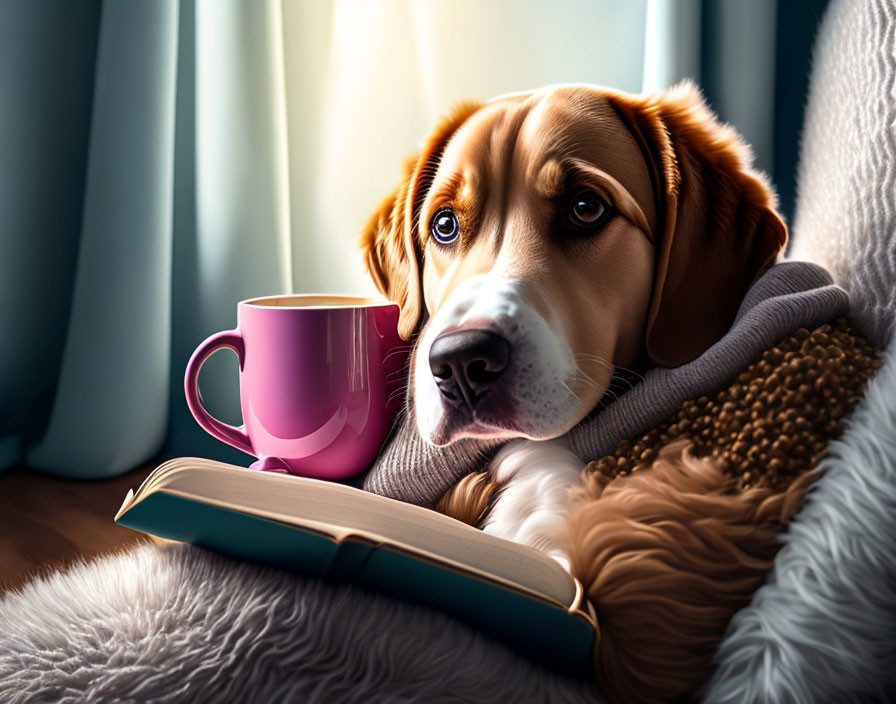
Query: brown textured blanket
pixel 774 422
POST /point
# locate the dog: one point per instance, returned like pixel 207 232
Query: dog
pixel 543 239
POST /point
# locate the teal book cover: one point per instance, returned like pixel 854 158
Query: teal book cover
pixel 561 635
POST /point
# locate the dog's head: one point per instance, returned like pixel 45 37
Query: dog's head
pixel 541 239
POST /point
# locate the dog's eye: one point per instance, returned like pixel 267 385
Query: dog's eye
pixel 586 209
pixel 445 226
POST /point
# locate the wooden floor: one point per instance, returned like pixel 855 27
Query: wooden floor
pixel 47 522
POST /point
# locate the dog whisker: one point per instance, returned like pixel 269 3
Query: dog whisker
pixel 599 360
pixel 576 396
pixel 593 358
pixel 582 375
pixel 397 393
pixel 397 350
pixel 584 378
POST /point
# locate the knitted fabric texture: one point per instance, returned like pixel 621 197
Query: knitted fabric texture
pixel 787 297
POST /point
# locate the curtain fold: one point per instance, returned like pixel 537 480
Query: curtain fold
pixel 737 69
pixel 47 99
pixel 671 43
pixel 164 159
pixel 110 406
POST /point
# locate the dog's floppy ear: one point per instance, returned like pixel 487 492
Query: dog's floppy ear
pixel 391 244
pixel 718 227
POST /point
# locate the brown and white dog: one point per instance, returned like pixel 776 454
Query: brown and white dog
pixel 542 239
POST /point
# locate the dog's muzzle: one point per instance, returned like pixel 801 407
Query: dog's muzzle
pixel 466 363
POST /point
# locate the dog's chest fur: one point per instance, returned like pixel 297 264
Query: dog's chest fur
pixel 534 481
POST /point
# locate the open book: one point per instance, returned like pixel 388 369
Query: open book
pixel 507 590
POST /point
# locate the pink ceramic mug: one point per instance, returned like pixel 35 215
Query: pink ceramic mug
pixel 321 380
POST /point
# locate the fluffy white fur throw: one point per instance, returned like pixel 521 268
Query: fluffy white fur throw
pixel 176 623
pixel 846 207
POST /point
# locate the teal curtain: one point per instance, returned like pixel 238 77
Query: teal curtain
pixel 88 93
pixel 110 276
pixel 44 128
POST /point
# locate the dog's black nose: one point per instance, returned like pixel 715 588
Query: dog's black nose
pixel 466 363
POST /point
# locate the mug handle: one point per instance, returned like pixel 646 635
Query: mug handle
pixel 229 434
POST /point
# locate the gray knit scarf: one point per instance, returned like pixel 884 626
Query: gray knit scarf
pixel 788 296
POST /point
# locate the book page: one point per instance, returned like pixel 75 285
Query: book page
pixel 341 511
